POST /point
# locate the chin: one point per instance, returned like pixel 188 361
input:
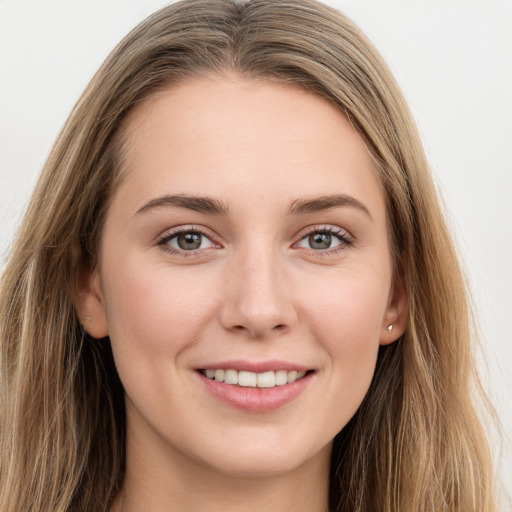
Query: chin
pixel 257 461
pixel 257 467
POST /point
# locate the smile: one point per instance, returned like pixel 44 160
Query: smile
pixel 268 379
pixel 256 387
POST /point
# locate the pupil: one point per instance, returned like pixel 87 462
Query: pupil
pixel 189 241
pixel 320 240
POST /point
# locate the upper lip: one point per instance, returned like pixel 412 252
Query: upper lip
pixel 256 366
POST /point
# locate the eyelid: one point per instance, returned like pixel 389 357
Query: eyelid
pixel 174 232
pixel 345 237
pixel 324 228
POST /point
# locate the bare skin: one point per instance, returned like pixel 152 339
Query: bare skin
pixel 249 226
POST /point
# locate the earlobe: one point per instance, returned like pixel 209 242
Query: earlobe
pixel 397 313
pixel 89 303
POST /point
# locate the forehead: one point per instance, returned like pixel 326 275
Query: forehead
pixel 246 137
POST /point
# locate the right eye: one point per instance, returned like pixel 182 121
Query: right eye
pixel 186 241
pixel 190 241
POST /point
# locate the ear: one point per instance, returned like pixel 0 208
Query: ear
pixel 397 312
pixel 89 302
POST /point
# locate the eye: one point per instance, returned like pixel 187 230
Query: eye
pixel 186 240
pixel 325 239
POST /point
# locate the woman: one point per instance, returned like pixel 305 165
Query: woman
pixel 234 287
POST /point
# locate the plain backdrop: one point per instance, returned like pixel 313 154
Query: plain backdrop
pixel 452 58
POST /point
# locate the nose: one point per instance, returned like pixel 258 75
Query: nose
pixel 258 299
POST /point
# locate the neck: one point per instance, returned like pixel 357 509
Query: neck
pixel 233 494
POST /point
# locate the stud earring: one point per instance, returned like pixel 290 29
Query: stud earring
pixel 389 328
pixel 87 318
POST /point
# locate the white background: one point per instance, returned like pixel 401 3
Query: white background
pixel 453 59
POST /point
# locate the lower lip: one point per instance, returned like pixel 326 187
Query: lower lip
pixel 256 399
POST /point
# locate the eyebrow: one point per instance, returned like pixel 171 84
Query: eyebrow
pixel 215 207
pixel 317 204
pixel 197 204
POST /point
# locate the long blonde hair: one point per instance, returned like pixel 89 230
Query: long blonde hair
pixel 415 444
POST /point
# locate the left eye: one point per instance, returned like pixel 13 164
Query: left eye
pixel 322 240
pixel 189 241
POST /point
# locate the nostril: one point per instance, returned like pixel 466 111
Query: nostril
pixel 257 333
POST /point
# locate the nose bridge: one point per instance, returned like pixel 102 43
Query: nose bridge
pixel 259 302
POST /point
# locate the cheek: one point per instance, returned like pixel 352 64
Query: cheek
pixel 347 321
pixel 155 311
pixel 348 310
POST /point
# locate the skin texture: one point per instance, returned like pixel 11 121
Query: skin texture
pixel 255 290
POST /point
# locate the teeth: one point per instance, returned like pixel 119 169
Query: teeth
pixel 281 377
pixel 253 380
pixel 247 379
pixel 231 377
pixel 266 380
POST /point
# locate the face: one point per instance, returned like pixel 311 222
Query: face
pixel 245 278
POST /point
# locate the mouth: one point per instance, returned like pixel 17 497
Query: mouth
pixel 242 378
pixel 256 388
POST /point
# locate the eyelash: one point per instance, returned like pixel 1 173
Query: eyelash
pixel 345 239
pixel 163 242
